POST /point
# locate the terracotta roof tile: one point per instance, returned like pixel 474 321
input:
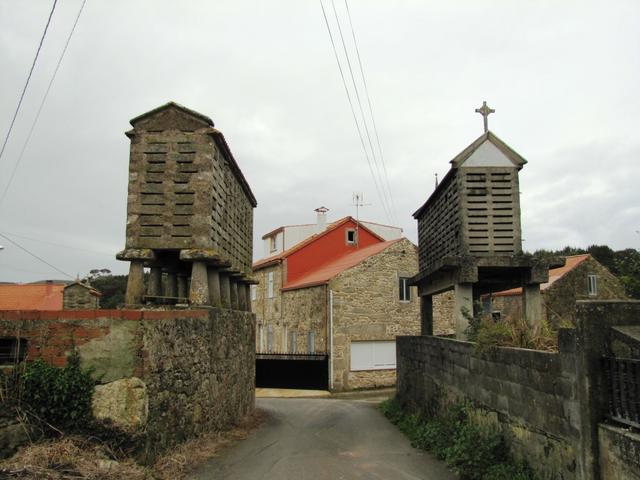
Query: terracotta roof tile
pixel 31 297
pixel 325 273
pixel 555 274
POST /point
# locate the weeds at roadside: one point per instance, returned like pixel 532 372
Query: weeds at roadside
pixel 476 453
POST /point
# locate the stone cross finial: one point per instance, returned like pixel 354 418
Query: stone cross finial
pixel 485 111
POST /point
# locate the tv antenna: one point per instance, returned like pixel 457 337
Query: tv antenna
pixel 358 201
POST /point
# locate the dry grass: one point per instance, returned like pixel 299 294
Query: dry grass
pixel 82 458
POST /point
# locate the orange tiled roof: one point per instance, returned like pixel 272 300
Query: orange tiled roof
pixel 31 297
pixel 332 226
pixel 325 273
pixel 555 274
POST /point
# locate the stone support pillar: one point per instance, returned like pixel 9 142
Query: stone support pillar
pixel 171 285
pixel 426 315
pixel 155 283
pixel 532 307
pixel 214 286
pixel 135 283
pixel 199 286
pixel 225 290
pixel 234 293
pixel 462 308
pixel 182 286
pixel 242 297
pixel 247 294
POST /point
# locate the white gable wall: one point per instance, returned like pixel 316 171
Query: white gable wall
pixel 488 155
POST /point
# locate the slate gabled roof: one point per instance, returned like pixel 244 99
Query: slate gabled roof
pixel 510 153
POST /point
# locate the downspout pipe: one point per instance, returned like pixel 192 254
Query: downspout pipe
pixel 331 340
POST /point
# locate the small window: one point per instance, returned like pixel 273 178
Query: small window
pixel 351 236
pixel 12 350
pixel 311 344
pixel 254 292
pixel 405 289
pixel 592 285
pixel 294 342
pixel 270 285
pixel 273 243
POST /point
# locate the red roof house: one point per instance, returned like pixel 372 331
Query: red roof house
pixel 340 296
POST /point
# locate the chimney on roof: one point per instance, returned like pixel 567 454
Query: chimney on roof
pixel 321 223
pixel 49 289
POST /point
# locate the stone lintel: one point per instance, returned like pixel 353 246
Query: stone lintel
pixel 129 254
pixel 200 255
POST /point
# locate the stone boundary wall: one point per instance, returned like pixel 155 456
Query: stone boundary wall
pixel 190 371
pixel 529 395
pixel 619 453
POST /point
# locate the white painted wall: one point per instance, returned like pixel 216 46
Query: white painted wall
pixel 384 231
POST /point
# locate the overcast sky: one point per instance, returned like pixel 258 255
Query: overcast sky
pixel 563 77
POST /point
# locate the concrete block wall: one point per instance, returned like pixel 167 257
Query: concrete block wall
pixel 196 367
pixel 529 395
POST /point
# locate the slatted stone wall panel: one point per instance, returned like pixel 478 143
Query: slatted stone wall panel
pixel 170 201
pixel 231 216
pixel 490 211
pixel 439 226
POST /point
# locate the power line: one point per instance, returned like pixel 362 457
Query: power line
pixel 24 90
pixel 36 256
pixel 364 121
pixel 57 244
pixel 44 98
pixel 373 120
pixel 353 112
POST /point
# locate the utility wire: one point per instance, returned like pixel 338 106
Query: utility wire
pixel 57 244
pixel 36 256
pixel 44 99
pixel 381 192
pixel 373 121
pixel 24 90
pixel 353 111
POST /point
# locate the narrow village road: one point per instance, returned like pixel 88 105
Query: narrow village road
pixel 324 439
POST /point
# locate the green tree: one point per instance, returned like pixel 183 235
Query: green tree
pixel 112 287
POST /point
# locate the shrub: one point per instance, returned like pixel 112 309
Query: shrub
pixel 60 397
pixel 476 453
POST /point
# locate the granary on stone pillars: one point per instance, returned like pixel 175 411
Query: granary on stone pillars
pixel 469 235
pixel 189 213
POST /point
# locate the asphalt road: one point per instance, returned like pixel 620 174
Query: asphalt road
pixel 324 439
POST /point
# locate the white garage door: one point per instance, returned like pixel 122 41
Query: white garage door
pixel 373 355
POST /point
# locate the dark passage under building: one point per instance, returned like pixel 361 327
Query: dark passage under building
pixel 302 371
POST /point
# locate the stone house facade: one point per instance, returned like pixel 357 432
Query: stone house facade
pixel 350 307
pixel 581 278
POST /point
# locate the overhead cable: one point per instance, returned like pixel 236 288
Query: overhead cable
pixel 15 114
pixel 353 112
pixel 373 120
pixel 385 200
pixel 35 256
pixel 44 99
